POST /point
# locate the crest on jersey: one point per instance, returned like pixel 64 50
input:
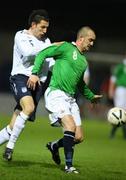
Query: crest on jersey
pixel 75 55
pixel 24 89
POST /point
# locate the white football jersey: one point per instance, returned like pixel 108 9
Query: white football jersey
pixel 26 47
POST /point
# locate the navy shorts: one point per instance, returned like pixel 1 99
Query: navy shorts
pixel 18 84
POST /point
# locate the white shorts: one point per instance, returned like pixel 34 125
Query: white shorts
pixel 59 104
pixel 120 97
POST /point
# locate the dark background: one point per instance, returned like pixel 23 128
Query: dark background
pixel 107 18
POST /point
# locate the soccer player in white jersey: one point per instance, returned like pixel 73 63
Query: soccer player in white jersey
pixel 27 44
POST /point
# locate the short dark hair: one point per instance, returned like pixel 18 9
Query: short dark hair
pixel 38 15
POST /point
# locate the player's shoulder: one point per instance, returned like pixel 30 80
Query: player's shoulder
pixel 47 41
pixel 58 43
pixel 20 33
pixel 62 44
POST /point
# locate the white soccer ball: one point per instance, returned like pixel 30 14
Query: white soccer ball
pixel 116 116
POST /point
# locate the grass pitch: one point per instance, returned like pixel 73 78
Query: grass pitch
pixel 97 158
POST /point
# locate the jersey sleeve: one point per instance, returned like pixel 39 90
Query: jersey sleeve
pixel 52 51
pixel 84 89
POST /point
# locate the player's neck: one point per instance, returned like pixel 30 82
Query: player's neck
pixel 78 45
pixel 29 31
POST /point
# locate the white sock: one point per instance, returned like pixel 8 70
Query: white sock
pixel 5 134
pixel 17 129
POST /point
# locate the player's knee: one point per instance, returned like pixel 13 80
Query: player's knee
pixel 70 127
pixel 29 109
pixel 79 139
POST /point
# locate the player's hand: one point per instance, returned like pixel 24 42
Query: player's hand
pixel 96 99
pixel 32 81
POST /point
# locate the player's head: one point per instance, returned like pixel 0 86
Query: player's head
pixel 38 22
pixel 85 38
pixel 38 15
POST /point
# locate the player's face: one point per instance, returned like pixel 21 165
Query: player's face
pixel 88 41
pixel 40 29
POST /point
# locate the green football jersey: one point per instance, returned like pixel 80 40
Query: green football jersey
pixel 68 70
pixel 120 74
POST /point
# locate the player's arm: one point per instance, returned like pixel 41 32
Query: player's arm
pixel 88 94
pixel 51 51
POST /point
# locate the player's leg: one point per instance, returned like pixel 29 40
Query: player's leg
pixel 68 142
pixel 79 135
pixel 78 131
pixel 113 131
pixel 27 104
pixel 14 116
pixel 6 131
pixel 55 145
pixel 37 94
pixel 24 97
pixel 119 101
pixel 124 130
pixel 77 119
pixel 59 103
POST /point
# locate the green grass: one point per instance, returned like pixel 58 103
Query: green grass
pixel 97 158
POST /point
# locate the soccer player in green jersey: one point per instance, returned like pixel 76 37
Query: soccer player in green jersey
pixel 67 77
pixel 117 92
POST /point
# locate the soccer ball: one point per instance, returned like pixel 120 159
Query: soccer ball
pixel 116 116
